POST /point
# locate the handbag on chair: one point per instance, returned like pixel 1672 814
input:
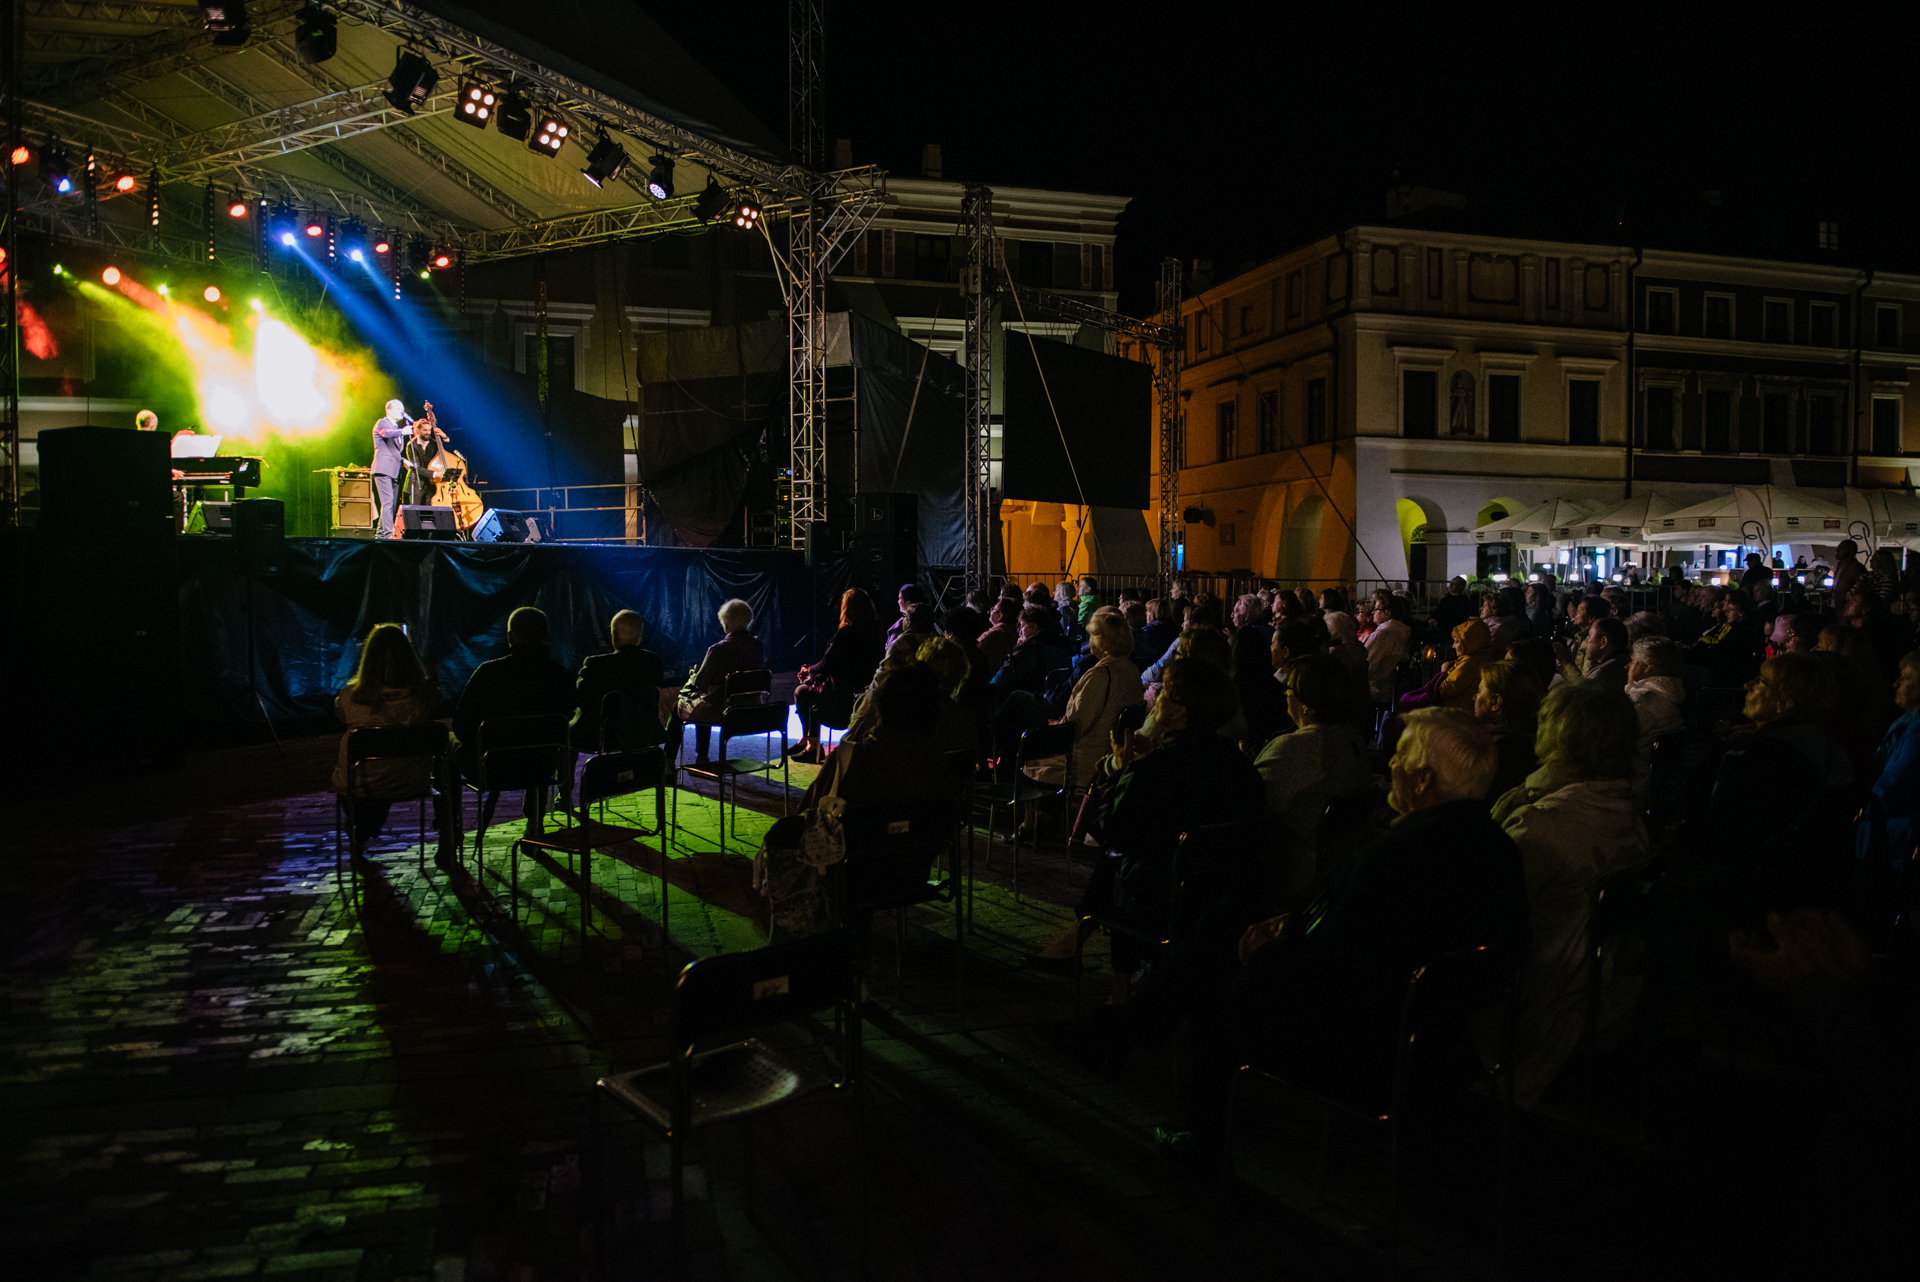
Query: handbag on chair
pixel 791 866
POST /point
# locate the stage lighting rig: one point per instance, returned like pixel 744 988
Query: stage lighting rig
pixel 746 215
pixel 476 104
pixel 353 241
pixel 315 226
pixel 111 276
pixel 513 116
pixel 382 246
pixel 211 293
pixel 711 202
pixel 237 206
pixel 660 177
pixel 441 260
pixel 227 19
pixel 22 154
pixel 412 81
pixel 550 134
pixel 55 169
pixel 605 162
pixel 153 198
pixel 315 36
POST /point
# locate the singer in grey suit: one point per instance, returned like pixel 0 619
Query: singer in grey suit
pixel 389 436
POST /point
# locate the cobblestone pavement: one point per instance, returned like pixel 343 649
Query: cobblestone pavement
pixel 217 1065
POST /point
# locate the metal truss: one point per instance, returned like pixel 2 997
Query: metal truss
pixel 11 34
pixel 1166 389
pixel 977 287
pixel 806 82
pixel 144 58
pixel 1074 309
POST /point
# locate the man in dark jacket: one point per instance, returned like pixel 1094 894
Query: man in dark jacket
pixel 1316 996
pixel 629 670
pixel 526 682
pixel 1455 608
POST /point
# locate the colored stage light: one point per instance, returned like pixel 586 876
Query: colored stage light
pixel 412 81
pixel 382 247
pixel 351 242
pixel 711 203
pixel 549 137
pixel 746 215
pixel 424 273
pixel 442 260
pixel 513 116
pixel 316 225
pixel 21 155
pixel 605 161
pixel 315 36
pixel 164 292
pixel 125 182
pixel 475 104
pixel 227 19
pixel 660 177
pixel 286 238
pixel 211 293
pixel 111 276
pixel 53 168
pixel 238 208
pixel 255 304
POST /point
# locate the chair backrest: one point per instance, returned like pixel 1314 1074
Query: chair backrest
pixel 629 721
pixel 367 743
pixel 891 846
pixel 758 718
pixel 521 752
pixel 1248 840
pixel 1042 742
pixel 1618 903
pixel 616 774
pixel 738 992
pixel 962 764
pixel 749 681
pixel 1455 985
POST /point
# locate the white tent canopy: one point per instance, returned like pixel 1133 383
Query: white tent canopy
pixel 1892 517
pixel 1532 527
pixel 1621 525
pixel 1750 516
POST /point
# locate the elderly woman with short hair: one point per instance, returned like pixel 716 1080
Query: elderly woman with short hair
pixel 1105 690
pixel 704 697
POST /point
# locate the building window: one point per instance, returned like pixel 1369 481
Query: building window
pixel 1202 322
pixel 1583 411
pixel 1776 423
pixel 1886 327
pixel 1503 407
pixel 1820 418
pixel 1269 422
pixel 1249 319
pixel 1777 320
pixel 1226 425
pixel 1827 235
pixel 1746 427
pixel 1716 409
pixel 1661 305
pixel 1597 289
pixel 1296 293
pixel 1316 410
pixel 1886 425
pixel 886 253
pixel 933 257
pixel 1550 286
pixel 1718 319
pixel 1435 268
pixel 1036 263
pixel 1659 432
pixel 1419 404
pixel 1820 326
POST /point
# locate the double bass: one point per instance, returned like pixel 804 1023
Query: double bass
pixel 450 489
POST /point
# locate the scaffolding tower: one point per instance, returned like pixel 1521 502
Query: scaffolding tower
pixel 977 288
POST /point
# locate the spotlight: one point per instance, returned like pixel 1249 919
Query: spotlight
pixel 605 162
pixel 513 116
pixel 442 260
pixel 746 215
pixel 163 291
pixel 550 136
pixel 125 183
pixel 111 276
pixel 22 154
pixel 352 241
pixel 238 208
pixel 314 34
pixel 476 104
pixel 54 169
pixel 382 247
pixel 412 81
pixel 659 177
pixel 286 238
pixel 227 19
pixel 211 293
pixel 711 203
pixel 255 304
pixel 316 225
pixel 424 273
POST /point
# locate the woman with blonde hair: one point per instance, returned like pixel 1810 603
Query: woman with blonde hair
pixel 1110 686
pixel 389 687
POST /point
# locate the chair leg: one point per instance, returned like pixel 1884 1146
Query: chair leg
pixel 676 1143
pixel 1326 1150
pixel 746 1163
pixel 586 892
pixel 513 880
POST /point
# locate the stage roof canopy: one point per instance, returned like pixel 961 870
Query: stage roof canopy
pixel 149 89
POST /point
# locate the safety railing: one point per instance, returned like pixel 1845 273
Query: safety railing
pixel 558 506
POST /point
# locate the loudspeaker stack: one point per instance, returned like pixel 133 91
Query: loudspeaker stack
pixel 886 543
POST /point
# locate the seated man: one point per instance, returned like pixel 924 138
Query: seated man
pixel 525 682
pixel 630 670
pixel 1316 996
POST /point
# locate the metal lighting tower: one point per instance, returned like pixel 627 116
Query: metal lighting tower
pixel 1166 388
pixel 978 285
pixel 11 39
pixel 807 257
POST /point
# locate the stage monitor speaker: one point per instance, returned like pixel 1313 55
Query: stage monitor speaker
pixel 886 542
pixel 215 517
pixel 105 483
pixel 259 534
pixel 498 525
pixel 423 521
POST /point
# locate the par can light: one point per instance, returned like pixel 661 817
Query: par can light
pixel 211 293
pixel 111 276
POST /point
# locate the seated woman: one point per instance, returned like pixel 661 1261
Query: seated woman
pixel 1471 642
pixel 390 687
pixel 947 660
pixel 828 688
pixel 1263 701
pixel 1109 687
pixel 897 762
pixel 1506 704
pixel 1320 760
pixel 1576 823
pixel 704 697
pixel 1655 683
pixel 1388 646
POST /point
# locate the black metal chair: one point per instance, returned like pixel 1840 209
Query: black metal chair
pixel 629 721
pixel 1618 905
pixel 516 754
pixel 1211 860
pixel 711 1078
pixel 1036 744
pixel 369 746
pixel 762 719
pixel 1443 993
pixel 607 775
pixel 892 849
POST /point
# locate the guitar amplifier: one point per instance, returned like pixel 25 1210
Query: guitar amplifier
pixel 354 504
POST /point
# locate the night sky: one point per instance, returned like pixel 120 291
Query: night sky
pixel 1243 130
